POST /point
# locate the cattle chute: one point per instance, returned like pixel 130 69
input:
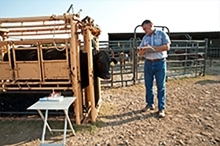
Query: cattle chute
pixel 26 64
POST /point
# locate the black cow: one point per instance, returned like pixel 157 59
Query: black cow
pixel 101 61
pixel 54 54
pixel 21 55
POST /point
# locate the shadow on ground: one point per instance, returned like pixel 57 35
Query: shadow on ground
pixel 204 82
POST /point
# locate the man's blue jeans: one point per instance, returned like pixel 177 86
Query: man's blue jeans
pixel 158 70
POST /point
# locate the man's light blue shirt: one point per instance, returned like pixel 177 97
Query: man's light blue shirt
pixel 158 38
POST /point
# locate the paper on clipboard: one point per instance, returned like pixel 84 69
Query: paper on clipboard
pixel 148 49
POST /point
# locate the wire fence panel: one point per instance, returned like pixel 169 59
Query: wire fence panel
pixel 213 54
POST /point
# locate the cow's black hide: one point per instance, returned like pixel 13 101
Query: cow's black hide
pixel 53 54
pixel 101 61
pixel 21 55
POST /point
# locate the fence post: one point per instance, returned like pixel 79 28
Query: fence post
pixel 197 47
pixel 206 47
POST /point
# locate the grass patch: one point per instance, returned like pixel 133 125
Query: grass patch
pixel 91 128
pixel 19 125
pixel 34 128
pixel 107 109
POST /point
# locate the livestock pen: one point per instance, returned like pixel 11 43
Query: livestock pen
pixel 190 62
pixel 27 67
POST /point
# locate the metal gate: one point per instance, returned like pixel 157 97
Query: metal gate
pixel 191 62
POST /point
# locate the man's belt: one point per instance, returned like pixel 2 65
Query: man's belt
pixel 154 60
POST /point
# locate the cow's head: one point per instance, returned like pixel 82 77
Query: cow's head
pixel 102 62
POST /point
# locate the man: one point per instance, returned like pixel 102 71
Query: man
pixel 154 65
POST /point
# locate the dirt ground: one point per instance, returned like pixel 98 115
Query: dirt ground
pixel 192 118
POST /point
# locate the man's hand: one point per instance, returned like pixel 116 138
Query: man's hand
pixel 146 48
pixel 141 51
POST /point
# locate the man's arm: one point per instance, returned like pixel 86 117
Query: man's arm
pixel 161 48
pixel 166 43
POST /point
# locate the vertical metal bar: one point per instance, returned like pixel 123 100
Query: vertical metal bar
pixel 74 67
pixel 40 61
pixel 97 83
pixel 87 36
pixel 12 74
pixel 70 124
pixel 65 127
pixel 131 48
pixel 71 7
pixel 67 57
pixel 112 76
pixel 205 57
pixel 197 47
pixel 134 69
pixel 185 56
pixel 112 68
pixel 44 128
pixel 15 69
pixel 42 117
pixel 121 68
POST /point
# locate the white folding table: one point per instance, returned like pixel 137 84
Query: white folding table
pixel 54 105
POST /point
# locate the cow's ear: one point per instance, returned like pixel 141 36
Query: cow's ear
pixel 113 61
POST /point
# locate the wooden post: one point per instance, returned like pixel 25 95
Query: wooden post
pixel 73 69
pixel 90 89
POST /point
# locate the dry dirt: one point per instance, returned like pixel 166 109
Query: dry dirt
pixel 192 118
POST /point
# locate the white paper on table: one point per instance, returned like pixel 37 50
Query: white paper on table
pixel 58 98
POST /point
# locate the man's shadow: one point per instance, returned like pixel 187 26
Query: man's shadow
pixel 117 119
pixel 204 82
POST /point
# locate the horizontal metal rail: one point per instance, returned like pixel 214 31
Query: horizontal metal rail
pixel 34 41
pixel 35 88
pixel 37 18
pixel 33 26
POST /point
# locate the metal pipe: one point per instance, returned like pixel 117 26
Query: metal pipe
pixel 163 28
pixel 196 60
pixel 134 54
pixel 206 47
pixel 71 7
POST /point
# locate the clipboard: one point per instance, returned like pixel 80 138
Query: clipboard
pixel 148 49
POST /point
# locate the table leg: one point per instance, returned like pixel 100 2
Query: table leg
pixel 42 117
pixel 44 128
pixel 64 133
pixel 68 119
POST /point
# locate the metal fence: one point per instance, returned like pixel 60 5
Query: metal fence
pixel 185 58
pixel 213 54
